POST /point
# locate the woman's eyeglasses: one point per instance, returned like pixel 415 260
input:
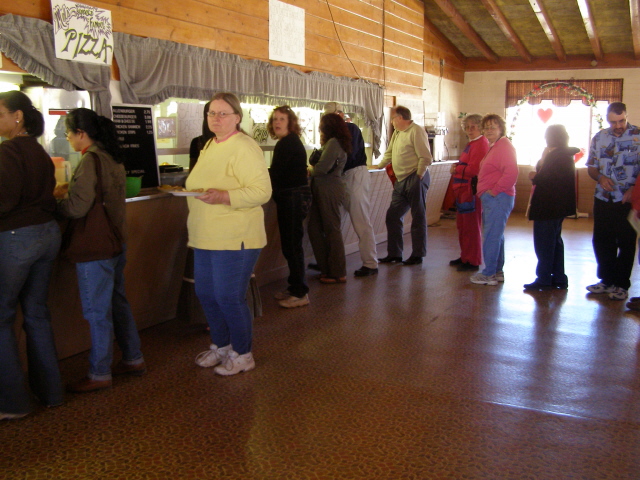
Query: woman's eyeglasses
pixel 221 115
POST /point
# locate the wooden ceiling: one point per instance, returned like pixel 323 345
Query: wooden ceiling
pixel 538 34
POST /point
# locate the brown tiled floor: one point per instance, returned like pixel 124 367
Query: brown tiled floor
pixel 413 374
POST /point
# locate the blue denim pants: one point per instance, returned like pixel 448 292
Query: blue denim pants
pixel 222 278
pixel 105 307
pixel 495 212
pixel 26 260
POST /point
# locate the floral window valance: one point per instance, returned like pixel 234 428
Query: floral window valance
pixel 609 90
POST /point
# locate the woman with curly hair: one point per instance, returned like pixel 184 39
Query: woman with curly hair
pixel 292 196
pixel 328 192
pixel 497 190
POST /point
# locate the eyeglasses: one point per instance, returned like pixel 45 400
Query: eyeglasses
pixel 67 133
pixel 490 127
pixel 221 115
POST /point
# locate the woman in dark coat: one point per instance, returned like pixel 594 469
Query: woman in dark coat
pixel 553 199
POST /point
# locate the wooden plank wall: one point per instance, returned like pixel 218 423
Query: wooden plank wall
pixel 379 40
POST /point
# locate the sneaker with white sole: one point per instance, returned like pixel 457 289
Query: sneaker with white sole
pixel 293 301
pixel 480 279
pixel 283 295
pixel 601 288
pixel 500 276
pixel 618 293
pixel 236 363
pixel 213 356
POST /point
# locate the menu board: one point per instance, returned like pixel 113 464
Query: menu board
pixel 134 126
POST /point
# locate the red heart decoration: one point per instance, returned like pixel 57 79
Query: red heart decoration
pixel 578 156
pixel 545 115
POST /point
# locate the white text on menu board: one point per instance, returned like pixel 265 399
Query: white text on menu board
pixel 149 123
pixel 125 121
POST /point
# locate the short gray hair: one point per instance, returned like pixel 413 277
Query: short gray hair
pixel 404 112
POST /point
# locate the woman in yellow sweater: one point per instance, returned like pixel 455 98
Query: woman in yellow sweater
pixel 226 231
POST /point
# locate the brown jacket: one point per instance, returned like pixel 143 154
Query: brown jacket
pixel 26 184
pixel 82 188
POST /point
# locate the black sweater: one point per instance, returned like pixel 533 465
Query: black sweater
pixel 289 164
pixel 555 186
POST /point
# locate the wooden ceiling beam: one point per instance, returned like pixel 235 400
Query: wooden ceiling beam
pixel 634 7
pixel 450 11
pixel 549 29
pixel 506 28
pixel 573 62
pixel 590 27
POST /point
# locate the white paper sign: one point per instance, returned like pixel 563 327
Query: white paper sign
pixel 82 33
pixel 286 33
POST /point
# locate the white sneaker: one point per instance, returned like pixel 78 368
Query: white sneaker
pixel 618 293
pixel 213 356
pixel 283 295
pixel 293 301
pixel 481 279
pixel 235 363
pixel 601 288
pixel 500 276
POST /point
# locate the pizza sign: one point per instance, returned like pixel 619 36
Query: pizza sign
pixel 82 33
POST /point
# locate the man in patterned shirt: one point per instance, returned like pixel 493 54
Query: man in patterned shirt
pixel 614 162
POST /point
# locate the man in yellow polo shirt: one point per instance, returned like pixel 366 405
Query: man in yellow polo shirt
pixel 409 155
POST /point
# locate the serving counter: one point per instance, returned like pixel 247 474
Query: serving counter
pixel 157 251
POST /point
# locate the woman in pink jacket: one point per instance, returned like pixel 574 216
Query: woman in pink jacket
pixel 497 191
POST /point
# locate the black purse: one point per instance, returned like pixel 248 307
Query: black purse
pixel 314 158
pixel 92 237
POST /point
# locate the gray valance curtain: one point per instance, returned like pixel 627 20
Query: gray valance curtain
pixel 29 43
pixel 152 70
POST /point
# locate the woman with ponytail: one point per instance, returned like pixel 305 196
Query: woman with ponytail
pixel 101 282
pixel 29 242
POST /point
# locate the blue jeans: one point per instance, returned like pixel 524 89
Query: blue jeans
pixel 105 307
pixel 495 212
pixel 222 278
pixel 26 262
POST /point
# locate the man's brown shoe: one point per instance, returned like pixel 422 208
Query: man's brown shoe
pixel 88 385
pixel 126 369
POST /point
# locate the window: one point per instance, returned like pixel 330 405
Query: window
pixel 533 105
pixel 533 120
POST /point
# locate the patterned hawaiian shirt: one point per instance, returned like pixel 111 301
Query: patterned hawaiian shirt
pixel 617 158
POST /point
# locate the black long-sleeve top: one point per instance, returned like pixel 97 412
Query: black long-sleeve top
pixel 555 186
pixel 357 157
pixel 289 164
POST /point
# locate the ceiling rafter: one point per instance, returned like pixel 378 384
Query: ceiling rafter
pixel 506 28
pixel 634 7
pixel 450 10
pixel 549 30
pixel 590 27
